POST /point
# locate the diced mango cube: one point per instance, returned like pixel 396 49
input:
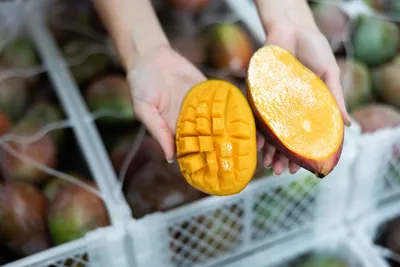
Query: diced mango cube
pixel 228 181
pixel 206 144
pixel 226 164
pixel 203 126
pixel 239 130
pixel 218 126
pixel 228 177
pixel 211 179
pixel 224 148
pixel 188 145
pixel 203 111
pixel 188 129
pixel 238 115
pixel 221 95
pixel 218 109
pixel 206 96
pixel 190 115
pixel 242 162
pixel 241 146
pixel 212 162
pixel 198 178
pixel 194 162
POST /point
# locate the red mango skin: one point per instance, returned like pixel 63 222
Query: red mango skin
pixel 5 123
pixel 319 168
pixel 190 5
pixel 23 215
pixel 231 48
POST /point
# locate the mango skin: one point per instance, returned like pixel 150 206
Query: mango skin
pixel 230 47
pixel 375 41
pixel 320 168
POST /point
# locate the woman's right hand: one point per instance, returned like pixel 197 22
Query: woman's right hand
pixel 159 81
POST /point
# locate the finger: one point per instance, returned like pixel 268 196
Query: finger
pixel 157 127
pixel 260 141
pixel 275 37
pixel 280 164
pixel 269 153
pixel 332 80
pixel 293 167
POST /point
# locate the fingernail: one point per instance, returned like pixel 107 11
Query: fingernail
pixel 267 167
pixel 275 174
pixel 348 124
pixel 170 161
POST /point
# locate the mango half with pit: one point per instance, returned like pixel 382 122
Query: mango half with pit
pixel 216 138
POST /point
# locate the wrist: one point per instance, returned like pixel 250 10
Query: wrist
pixel 291 13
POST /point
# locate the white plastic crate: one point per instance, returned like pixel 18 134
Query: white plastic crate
pixel 337 243
pixel 370 227
pixel 103 246
pixel 99 248
pixel 218 228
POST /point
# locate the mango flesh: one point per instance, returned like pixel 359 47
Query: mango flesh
pixel 295 110
pixel 215 138
pixel 356 82
pixel 375 40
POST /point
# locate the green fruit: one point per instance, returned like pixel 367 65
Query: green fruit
pixel 332 22
pixel 229 46
pixel 51 189
pixel 44 113
pixel 43 151
pixel 111 94
pixel 74 212
pixel 13 96
pixel 87 59
pixel 387 82
pixel 20 53
pixel 321 260
pixel 54 186
pixel 356 83
pixel 375 40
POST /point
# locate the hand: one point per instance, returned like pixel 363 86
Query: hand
pixel 160 80
pixel 311 48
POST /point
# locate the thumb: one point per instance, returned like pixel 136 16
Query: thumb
pixel 332 80
pixel 157 127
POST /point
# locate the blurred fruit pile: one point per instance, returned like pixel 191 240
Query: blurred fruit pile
pixel 389 7
pixel 38 210
pixel 366 50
